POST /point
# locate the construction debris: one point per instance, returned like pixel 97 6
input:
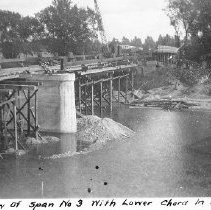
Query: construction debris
pixel 164 104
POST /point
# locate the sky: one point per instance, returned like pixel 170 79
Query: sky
pixel 127 18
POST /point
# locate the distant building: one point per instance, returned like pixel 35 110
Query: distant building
pixel 167 49
pixel 130 47
pixel 165 54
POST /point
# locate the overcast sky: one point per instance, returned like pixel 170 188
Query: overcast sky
pixel 121 17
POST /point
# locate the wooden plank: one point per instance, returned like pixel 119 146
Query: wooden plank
pixel 30 83
pixel 13 86
pixel 116 68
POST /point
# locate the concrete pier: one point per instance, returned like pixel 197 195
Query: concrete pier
pixel 56 102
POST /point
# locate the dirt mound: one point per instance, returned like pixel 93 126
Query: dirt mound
pixel 200 91
pixel 196 97
pixel 97 130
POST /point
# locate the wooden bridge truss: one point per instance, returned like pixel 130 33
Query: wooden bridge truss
pixel 95 92
pixel 19 119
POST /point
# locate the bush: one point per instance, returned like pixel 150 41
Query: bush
pixel 189 76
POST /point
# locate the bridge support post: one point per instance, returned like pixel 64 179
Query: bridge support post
pixel 92 97
pixel 126 89
pixel 56 99
pixel 101 99
pixel 119 89
pixel 67 104
pixel 111 95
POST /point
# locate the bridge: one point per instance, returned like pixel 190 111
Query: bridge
pixel 48 98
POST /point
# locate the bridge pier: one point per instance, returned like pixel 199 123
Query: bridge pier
pixel 56 102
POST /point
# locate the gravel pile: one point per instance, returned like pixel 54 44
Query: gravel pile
pixel 100 130
pixel 96 132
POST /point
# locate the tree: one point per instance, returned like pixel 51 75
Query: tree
pixel 149 44
pixel 67 27
pixel 201 27
pixel 182 15
pixel 166 40
pixel 136 42
pixel 194 16
pixel 16 32
pixel 125 41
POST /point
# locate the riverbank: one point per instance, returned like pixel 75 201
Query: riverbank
pixel 158 87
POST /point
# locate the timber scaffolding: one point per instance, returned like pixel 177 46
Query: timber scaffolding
pixel 95 91
pixel 96 82
pixel 18 112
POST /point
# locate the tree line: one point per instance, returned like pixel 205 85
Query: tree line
pixel 63 27
pixel 149 43
pixel 60 28
pixel 192 19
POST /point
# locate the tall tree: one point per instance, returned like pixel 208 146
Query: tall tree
pixel 194 16
pixel 181 14
pixel 125 40
pixel 136 42
pixel 166 40
pixel 149 44
pixel 16 32
pixel 67 27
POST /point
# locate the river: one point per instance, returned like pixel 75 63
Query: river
pixel 170 155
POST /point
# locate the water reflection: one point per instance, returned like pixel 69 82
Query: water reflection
pixel 68 143
pixel 169 156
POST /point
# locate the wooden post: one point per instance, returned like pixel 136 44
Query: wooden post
pixel 28 113
pixel 119 89
pixel 15 124
pixel 85 100
pixel 126 88
pixel 111 93
pixel 132 80
pixel 79 94
pixel 19 105
pixel 92 96
pixel 1 123
pixel 36 116
pixel 101 98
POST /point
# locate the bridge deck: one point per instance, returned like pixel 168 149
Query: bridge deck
pixel 92 67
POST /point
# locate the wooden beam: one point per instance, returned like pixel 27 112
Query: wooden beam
pixel 17 87
pixel 7 102
pixel 13 82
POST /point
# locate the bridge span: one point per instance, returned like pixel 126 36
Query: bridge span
pixel 48 98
